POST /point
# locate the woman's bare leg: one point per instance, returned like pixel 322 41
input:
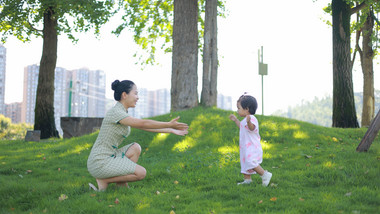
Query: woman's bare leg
pixel 139 174
pixel 133 153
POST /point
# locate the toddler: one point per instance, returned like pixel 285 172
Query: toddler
pixel 251 153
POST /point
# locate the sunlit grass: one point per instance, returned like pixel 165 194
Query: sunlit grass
pixel 315 170
pixel 184 145
pixel 300 135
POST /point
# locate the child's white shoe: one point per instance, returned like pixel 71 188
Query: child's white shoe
pixel 266 178
pixel 245 182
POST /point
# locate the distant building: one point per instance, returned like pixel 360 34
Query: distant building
pixel 88 93
pixel 151 103
pixel 13 111
pixel 158 102
pixel 3 57
pixel 29 93
pixel 77 93
pixel 224 102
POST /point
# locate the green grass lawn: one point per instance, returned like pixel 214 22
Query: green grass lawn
pixel 315 170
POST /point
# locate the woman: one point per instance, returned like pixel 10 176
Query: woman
pixel 110 164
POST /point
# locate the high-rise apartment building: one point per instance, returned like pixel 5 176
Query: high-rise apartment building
pixel 224 102
pixel 159 102
pixel 29 93
pixel 88 93
pixel 77 93
pixel 13 111
pixel 3 57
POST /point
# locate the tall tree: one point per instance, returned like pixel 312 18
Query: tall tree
pixel 152 22
pixel 367 26
pixel 366 57
pixel 21 18
pixel 344 113
pixel 209 93
pixel 184 83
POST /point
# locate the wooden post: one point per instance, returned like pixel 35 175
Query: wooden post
pixel 370 135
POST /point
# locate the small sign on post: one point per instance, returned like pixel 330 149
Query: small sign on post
pixel 263 70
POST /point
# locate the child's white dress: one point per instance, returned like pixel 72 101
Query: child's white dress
pixel 251 153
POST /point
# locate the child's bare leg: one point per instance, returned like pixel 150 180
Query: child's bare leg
pixel 247 177
pixel 259 170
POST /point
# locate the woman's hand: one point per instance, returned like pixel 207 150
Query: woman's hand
pixel 178 126
pixel 180 132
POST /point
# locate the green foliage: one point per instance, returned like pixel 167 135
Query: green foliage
pixel 11 131
pixel 152 22
pixel 315 170
pixel 357 24
pixel 24 18
pixel 319 111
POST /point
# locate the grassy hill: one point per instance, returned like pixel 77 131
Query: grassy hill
pixel 315 170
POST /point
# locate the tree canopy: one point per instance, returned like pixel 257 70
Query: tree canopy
pixel 152 23
pixel 24 18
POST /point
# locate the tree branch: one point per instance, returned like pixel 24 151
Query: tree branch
pixel 358 8
pixel 33 28
pixel 375 18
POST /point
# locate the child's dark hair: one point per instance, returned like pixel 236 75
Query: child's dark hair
pixel 248 102
pixel 120 87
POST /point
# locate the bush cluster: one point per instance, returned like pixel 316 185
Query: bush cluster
pixel 10 131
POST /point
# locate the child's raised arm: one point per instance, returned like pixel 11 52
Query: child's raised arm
pixel 234 118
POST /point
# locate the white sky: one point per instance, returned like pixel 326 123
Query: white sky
pixel 297 48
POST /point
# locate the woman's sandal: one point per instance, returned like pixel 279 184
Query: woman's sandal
pixel 93 187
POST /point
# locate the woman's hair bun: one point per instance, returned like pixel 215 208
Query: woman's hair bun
pixel 115 84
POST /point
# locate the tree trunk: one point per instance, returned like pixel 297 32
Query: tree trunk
pixel 44 110
pixel 184 88
pixel 209 93
pixel 366 58
pixel 344 113
pixel 370 135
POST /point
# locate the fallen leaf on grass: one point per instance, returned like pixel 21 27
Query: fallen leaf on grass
pixel 93 195
pixel 175 182
pixel 301 199
pixel 273 199
pixel 62 197
pixel 177 197
pixel 348 194
pixel 261 201
pixel 28 171
pixel 172 212
pixel 158 192
pixel 273 185
pixel 308 156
